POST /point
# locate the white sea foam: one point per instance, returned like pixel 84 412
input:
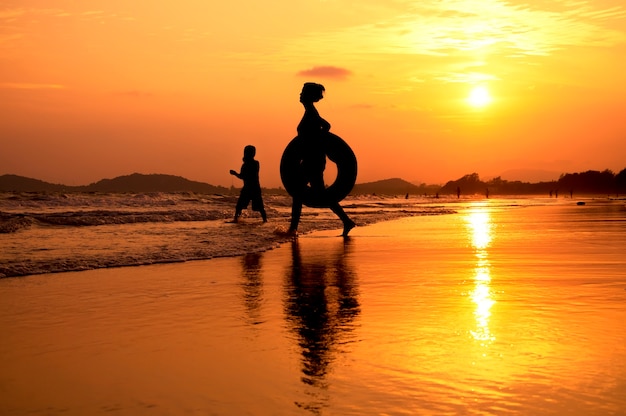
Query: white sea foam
pixel 47 233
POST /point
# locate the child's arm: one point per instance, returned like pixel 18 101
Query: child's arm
pixel 234 173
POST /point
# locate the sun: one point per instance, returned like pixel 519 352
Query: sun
pixel 479 96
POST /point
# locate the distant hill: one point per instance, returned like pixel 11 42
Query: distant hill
pixel 130 183
pixel 15 183
pixel 393 186
pixel 153 183
pixel 583 182
pixel 137 182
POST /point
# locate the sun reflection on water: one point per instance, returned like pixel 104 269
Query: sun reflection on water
pixel 480 227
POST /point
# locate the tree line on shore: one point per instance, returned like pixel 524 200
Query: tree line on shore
pixel 590 182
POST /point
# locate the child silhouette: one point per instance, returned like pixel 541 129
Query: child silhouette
pixel 251 190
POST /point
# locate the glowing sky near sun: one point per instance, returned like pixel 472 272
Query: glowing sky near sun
pixel 101 88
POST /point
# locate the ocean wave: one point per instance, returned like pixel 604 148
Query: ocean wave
pixel 15 222
pixel 56 233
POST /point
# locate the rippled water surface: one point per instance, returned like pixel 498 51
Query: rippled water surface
pixel 500 308
pixel 48 233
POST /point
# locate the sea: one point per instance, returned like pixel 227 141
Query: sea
pixel 61 232
pixel 153 304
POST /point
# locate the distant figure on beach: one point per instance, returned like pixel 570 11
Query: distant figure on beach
pixel 313 162
pixel 251 190
pixel 458 192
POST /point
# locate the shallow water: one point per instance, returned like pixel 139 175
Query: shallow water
pixel 50 233
pixel 498 309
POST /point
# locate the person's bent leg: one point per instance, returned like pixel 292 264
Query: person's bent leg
pixel 348 224
pixel 296 211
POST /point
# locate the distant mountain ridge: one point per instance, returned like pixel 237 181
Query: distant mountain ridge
pixel 393 186
pixel 154 183
pixel 24 184
pixel 584 182
pixel 135 182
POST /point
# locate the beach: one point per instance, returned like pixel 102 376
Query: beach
pixel 496 307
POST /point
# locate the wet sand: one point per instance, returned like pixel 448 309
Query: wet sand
pixel 494 310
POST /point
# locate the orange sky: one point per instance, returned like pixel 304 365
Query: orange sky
pixel 95 89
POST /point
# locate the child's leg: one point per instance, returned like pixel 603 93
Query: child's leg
pixel 242 203
pixel 257 205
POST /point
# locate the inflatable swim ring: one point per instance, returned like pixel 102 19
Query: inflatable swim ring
pixel 338 151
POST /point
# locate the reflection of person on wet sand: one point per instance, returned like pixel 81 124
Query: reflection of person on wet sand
pixel 251 190
pixel 321 304
pixel 252 285
pixel 313 164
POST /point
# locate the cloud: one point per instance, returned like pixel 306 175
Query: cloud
pixel 26 16
pixel 325 72
pixel 7 39
pixel 134 94
pixel 467 27
pixel 28 86
pixel 10 14
pixel 362 106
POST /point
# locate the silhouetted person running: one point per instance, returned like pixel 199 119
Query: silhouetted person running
pixel 313 163
pixel 251 190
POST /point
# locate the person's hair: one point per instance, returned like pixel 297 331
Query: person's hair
pixel 313 91
pixel 249 151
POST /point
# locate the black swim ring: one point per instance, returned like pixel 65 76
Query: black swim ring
pixel 338 151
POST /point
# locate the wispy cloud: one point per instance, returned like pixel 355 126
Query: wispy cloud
pixel 466 77
pixel 508 28
pixel 30 86
pixel 15 14
pixel 9 14
pixel 134 94
pixel 463 41
pixel 326 72
pixel 22 26
pixel 9 38
pixel 363 106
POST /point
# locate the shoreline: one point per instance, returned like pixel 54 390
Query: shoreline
pixel 267 240
pixel 51 249
pixel 482 311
